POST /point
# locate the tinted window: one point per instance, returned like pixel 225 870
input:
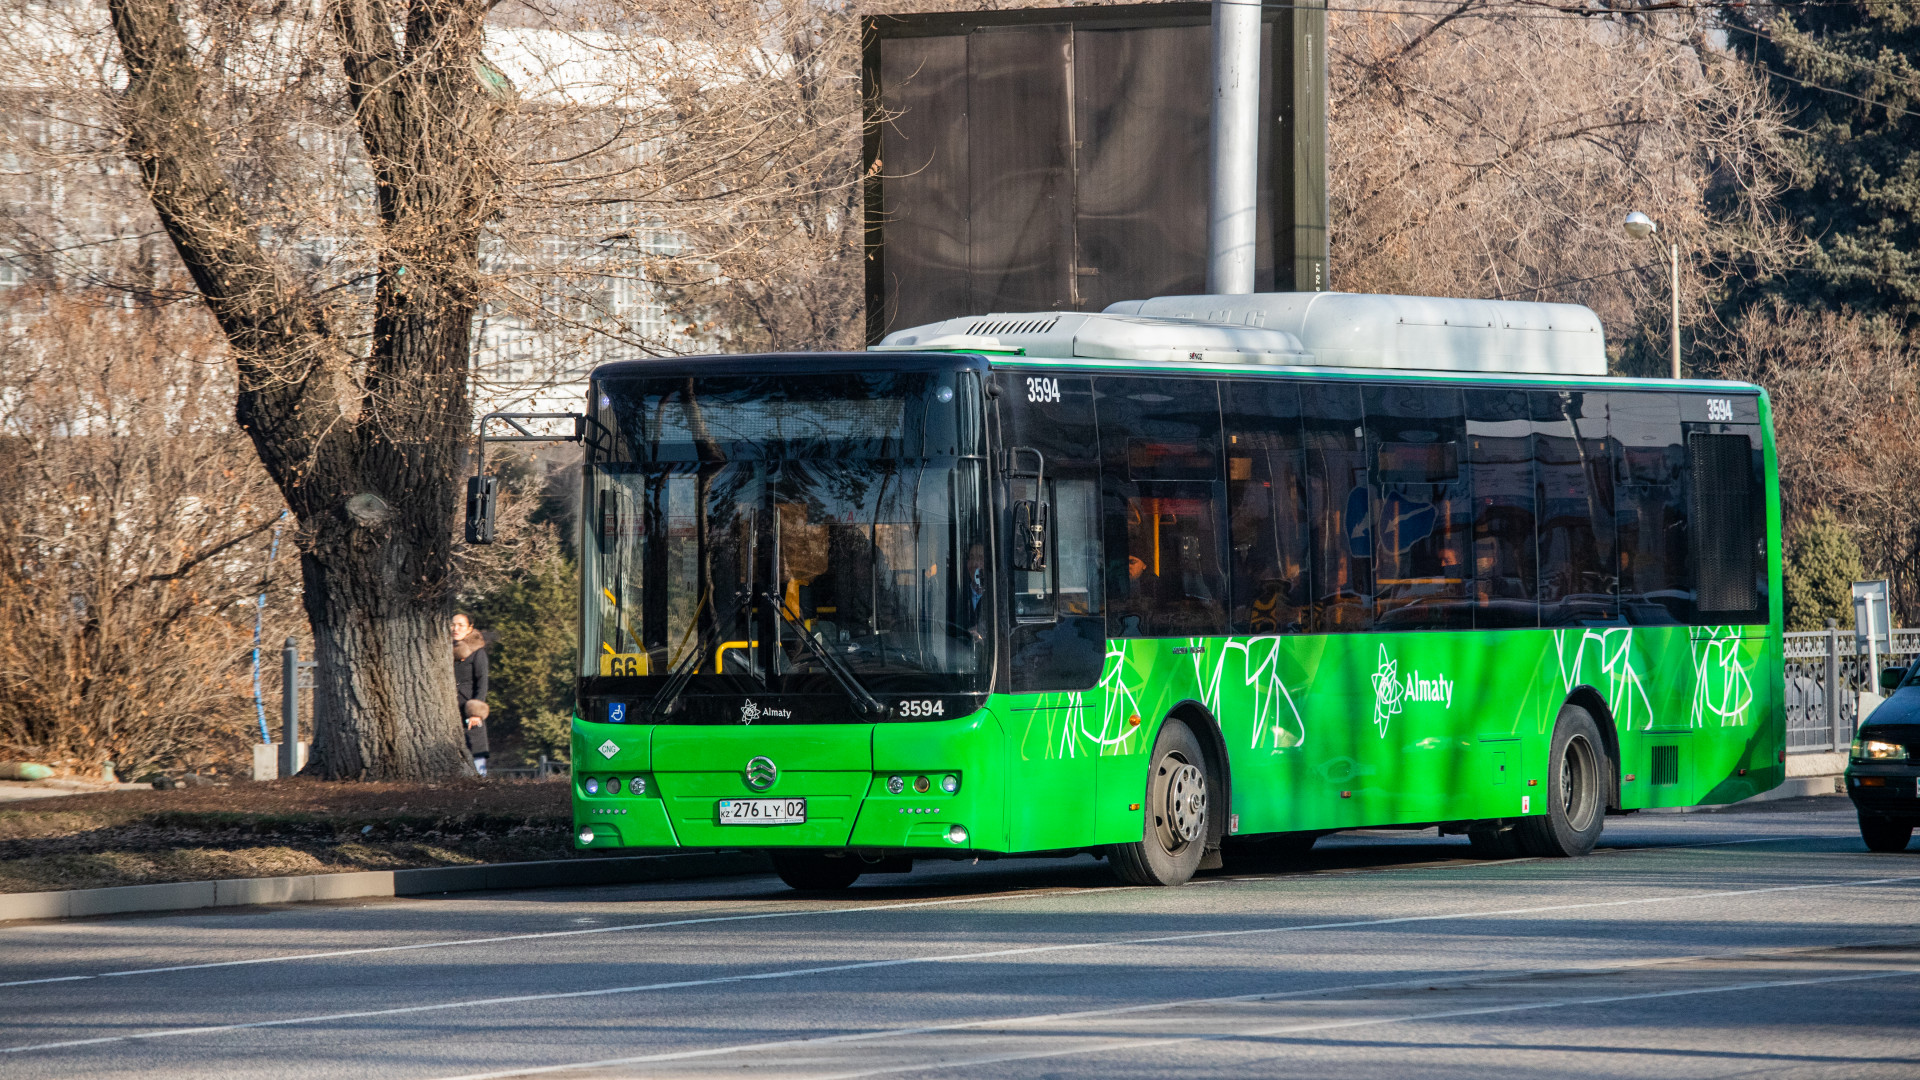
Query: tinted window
pixel 1574 479
pixel 1650 508
pixel 1059 633
pixel 1728 527
pixel 1160 469
pixel 1266 501
pixel 1422 511
pixel 1505 568
pixel 1341 546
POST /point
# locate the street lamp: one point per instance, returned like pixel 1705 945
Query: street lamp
pixel 1640 226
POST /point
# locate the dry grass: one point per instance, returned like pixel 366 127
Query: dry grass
pixel 282 827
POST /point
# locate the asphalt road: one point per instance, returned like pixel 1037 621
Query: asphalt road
pixel 1757 943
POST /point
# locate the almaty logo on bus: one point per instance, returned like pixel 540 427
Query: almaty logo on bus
pixel 1390 691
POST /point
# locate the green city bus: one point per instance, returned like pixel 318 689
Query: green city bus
pixel 1195 574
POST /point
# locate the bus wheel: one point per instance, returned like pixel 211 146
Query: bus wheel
pixel 1884 835
pixel 1176 826
pixel 1577 772
pixel 811 871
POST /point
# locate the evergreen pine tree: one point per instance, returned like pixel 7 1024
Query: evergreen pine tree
pixel 1821 566
pixel 1849 74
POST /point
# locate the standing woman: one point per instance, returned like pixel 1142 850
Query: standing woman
pixel 470 685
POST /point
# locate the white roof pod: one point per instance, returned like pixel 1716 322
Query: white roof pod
pixel 1419 332
pixel 1103 337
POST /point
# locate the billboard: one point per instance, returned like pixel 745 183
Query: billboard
pixel 1057 159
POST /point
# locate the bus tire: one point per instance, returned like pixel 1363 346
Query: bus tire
pixel 812 871
pixel 1177 813
pixel 1578 775
pixel 1883 834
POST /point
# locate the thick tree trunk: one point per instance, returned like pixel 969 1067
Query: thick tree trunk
pixel 364 445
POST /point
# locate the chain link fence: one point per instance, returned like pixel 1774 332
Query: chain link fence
pixel 1827 671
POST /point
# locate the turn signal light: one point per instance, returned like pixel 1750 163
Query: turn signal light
pixel 922 785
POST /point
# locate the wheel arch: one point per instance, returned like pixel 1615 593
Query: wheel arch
pixel 1200 720
pixel 1586 697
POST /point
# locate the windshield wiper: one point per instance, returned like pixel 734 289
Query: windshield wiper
pixel 677 680
pixel 864 702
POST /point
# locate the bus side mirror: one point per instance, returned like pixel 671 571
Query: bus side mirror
pixel 1890 678
pixel 483 494
pixel 1030 534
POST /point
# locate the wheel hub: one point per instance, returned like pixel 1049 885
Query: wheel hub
pixel 1186 802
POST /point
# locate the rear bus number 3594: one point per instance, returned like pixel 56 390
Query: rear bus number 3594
pixel 923 708
pixel 1043 390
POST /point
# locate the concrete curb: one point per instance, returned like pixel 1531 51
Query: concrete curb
pixel 237 892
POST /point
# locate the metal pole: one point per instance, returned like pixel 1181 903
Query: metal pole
pixel 1833 682
pixel 1233 202
pixel 290 709
pixel 1674 249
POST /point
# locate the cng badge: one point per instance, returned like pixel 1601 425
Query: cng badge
pixel 609 748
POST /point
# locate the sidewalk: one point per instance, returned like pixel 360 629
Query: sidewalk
pixel 238 892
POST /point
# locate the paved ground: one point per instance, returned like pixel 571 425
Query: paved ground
pixel 1765 942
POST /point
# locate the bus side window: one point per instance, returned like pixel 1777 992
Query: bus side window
pixel 1574 478
pixel 1059 630
pixel 1266 507
pixel 1160 473
pixel 1650 507
pixel 1505 566
pixel 1339 511
pixel 1422 508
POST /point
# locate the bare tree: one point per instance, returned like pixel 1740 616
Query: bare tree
pixel 135 542
pixel 1491 148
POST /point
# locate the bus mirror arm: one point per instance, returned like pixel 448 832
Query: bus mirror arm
pixel 1030 515
pixel 483 491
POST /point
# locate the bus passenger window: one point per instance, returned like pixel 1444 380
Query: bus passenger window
pixel 1500 449
pixel 1422 510
pixel 1160 450
pixel 1339 512
pixel 1574 478
pixel 1266 506
pixel 1650 509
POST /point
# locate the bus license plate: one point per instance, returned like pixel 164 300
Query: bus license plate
pixel 763 811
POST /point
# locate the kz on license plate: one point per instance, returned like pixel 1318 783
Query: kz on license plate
pixel 763 811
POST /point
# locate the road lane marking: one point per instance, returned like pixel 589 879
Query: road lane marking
pixel 1335 1025
pixel 907 961
pixel 463 942
pixel 695 921
pixel 1043 1018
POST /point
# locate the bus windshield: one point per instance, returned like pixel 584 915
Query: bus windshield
pixel 730 515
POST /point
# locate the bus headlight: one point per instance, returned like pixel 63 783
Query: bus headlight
pixel 586 834
pixel 949 783
pixel 957 834
pixel 895 785
pixel 593 785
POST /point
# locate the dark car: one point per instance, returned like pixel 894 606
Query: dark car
pixel 1884 767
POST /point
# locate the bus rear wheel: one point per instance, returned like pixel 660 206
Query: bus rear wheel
pixel 812 871
pixel 1577 777
pixel 1177 814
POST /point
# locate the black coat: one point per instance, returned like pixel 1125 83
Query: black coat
pixel 470 684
